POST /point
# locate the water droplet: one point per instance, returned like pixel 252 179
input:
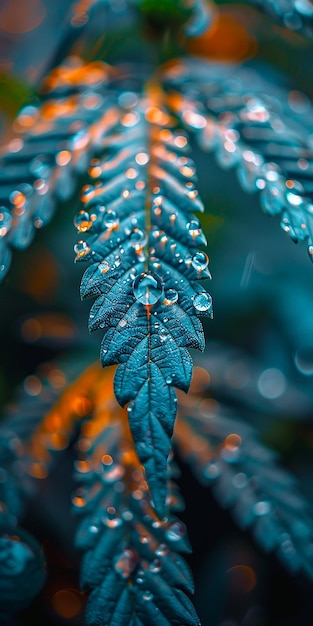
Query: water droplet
pixel 147 596
pixel 170 297
pixel 117 261
pixel 161 550
pixel 138 239
pixel 194 228
pixel 81 249
pixel 82 221
pixel 155 566
pixel 111 519
pixel 110 219
pixel 104 267
pixel 126 562
pixel 5 221
pixel 203 302
pixel 112 472
pixel 200 261
pixel 163 337
pixel 169 380
pixel 175 531
pixel 148 288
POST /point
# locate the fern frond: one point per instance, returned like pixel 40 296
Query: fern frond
pixel 145 272
pixel 295 15
pixel 51 148
pixel 262 130
pixel 131 564
pixel 245 476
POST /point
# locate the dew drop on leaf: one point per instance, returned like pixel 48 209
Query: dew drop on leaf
pixel 138 239
pixel 175 531
pixel 82 221
pixel 104 267
pixel 148 288
pixel 202 302
pixel 147 596
pixel 161 550
pixel 194 228
pixel 110 219
pixel 111 519
pixel 170 297
pixel 155 566
pixel 200 261
pixel 81 249
pixel 126 562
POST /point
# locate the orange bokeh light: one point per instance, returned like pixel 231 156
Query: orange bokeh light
pixel 226 40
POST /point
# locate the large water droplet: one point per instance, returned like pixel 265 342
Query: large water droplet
pixel 82 221
pixel 200 261
pixel 126 562
pixel 148 288
pixel 170 297
pixel 81 249
pixel 203 302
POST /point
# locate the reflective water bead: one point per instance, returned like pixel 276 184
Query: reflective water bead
pixel 202 302
pixel 111 518
pixel 294 192
pixel 104 267
pixel 200 261
pixel 126 562
pixel 147 596
pixel 155 566
pixel 148 288
pixel 175 531
pixel 81 249
pixel 155 262
pixel 110 219
pixel 5 221
pixel 161 550
pixel 82 221
pixel 194 228
pixel 138 239
pixel 170 297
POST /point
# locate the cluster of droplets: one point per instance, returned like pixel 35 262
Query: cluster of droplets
pixel 108 202
pixel 233 123
pixel 114 499
pixel 52 145
pixel 245 478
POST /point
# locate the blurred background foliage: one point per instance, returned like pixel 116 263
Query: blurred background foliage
pixel 263 305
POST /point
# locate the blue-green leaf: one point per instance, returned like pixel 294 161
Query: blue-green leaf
pixel 143 240
pixel 254 126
